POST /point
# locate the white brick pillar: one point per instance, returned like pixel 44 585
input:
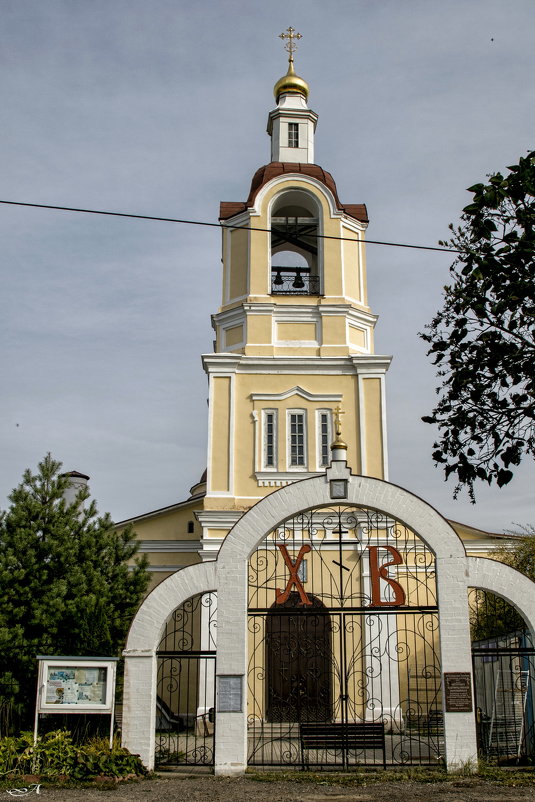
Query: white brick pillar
pixel 139 704
pixel 231 727
pixel 456 656
pixel 139 700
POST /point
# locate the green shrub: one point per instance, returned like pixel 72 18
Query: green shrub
pixel 56 755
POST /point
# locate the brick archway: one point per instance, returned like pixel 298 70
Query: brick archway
pixel 228 577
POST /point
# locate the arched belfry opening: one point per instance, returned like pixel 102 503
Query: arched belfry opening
pixel 295 252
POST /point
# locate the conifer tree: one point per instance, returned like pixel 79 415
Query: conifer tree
pixel 65 584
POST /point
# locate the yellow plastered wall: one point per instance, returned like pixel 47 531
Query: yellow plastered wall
pixel 248 452
pixel 334 330
pixel 239 259
pixel 373 430
pixel 220 415
pixel 174 562
pixel 169 525
pixel 260 274
pixel 259 329
pixel 351 265
pixel 233 336
pixel 296 332
pixel 357 337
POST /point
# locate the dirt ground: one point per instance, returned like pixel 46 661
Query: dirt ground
pixel 187 788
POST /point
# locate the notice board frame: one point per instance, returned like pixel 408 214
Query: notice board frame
pixel 80 666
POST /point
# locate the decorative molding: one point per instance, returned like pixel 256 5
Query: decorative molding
pixel 297 390
pixel 282 478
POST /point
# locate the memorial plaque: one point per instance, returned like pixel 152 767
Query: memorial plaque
pixel 458 692
pixel 229 696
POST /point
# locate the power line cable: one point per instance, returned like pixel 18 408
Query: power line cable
pixel 217 225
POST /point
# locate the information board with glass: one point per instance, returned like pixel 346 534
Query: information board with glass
pixel 76 684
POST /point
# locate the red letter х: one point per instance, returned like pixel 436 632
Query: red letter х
pixel 293 568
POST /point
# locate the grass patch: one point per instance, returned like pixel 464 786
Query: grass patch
pixel 56 757
pixel 491 775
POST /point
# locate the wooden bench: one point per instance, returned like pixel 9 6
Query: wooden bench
pixel 351 735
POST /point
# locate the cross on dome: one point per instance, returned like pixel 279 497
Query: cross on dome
pixel 290 45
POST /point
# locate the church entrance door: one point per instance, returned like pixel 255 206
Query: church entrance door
pixel 298 660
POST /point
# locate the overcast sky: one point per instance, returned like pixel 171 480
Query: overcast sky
pixel 159 107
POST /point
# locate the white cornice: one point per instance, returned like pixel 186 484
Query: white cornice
pixel 260 308
pixel 371 363
pixel 356 226
pixel 483 547
pixel 222 363
pixel 229 318
pixel 360 315
pixel 290 111
pixel 293 313
pixel 282 478
pixel 238 220
pixel 225 363
pixel 218 519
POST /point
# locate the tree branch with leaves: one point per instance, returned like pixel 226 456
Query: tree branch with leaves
pixel 483 338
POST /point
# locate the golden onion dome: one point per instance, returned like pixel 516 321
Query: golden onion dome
pixel 291 83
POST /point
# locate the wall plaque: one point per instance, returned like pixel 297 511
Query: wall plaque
pixel 338 488
pixel 458 692
pixel 229 694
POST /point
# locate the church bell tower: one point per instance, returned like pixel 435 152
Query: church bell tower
pixel 294 332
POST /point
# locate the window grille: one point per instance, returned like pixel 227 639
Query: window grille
pixel 297 439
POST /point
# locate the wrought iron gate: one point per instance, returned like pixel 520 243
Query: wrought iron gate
pixel 504 680
pixel 185 692
pixel 343 628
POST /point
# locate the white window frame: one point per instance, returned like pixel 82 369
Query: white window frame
pixel 293 135
pixel 266 413
pixel 304 465
pixel 319 437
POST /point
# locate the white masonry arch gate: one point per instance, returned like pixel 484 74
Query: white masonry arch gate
pixel 228 576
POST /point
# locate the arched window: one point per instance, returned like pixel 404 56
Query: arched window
pixel 294 245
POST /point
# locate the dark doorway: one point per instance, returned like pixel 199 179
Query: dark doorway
pixel 298 660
